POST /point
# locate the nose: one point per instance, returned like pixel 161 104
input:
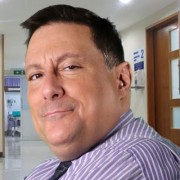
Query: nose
pixel 52 88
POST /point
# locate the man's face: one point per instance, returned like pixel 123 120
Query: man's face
pixel 73 96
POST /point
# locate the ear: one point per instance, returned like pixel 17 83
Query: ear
pixel 124 78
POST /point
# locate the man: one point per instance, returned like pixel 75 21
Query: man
pixel 79 97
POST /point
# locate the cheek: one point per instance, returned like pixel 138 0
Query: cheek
pixel 31 98
pixel 92 94
pixel 34 105
pixel 34 99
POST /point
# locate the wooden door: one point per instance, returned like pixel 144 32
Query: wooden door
pixel 163 69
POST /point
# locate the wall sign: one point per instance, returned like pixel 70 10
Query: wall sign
pixel 139 76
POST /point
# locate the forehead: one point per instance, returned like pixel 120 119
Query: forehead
pixel 66 35
pixel 54 40
pixel 61 31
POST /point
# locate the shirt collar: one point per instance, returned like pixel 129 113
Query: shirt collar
pixel 124 119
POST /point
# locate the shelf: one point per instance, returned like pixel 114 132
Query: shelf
pixel 137 87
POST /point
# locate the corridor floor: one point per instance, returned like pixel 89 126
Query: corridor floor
pixel 21 157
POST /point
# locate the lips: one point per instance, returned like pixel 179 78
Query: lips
pixel 56 109
pixel 57 113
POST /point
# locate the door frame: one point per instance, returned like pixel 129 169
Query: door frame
pixel 2 95
pixel 151 64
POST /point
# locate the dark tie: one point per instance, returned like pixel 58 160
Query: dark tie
pixel 61 169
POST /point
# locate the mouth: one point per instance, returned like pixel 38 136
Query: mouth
pixel 57 110
pixel 57 113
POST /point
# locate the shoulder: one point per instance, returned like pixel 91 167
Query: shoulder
pixel 44 170
pixel 157 159
pixel 144 158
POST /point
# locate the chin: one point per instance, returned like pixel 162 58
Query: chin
pixel 57 139
pixel 63 149
pixel 66 152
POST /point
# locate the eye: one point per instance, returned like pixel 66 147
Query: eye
pixel 34 77
pixel 72 67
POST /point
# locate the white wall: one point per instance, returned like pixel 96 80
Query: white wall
pixel 14 50
pixel 27 129
pixel 134 38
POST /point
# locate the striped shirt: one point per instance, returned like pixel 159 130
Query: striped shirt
pixel 132 150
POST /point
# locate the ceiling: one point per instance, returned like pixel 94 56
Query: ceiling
pixel 13 12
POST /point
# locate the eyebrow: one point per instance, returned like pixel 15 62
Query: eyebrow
pixel 68 55
pixel 58 59
pixel 32 66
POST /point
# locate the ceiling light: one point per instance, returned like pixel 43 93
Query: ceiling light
pixel 125 1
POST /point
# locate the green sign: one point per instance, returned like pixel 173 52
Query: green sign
pixel 19 72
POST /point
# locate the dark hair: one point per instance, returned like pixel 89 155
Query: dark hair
pixel 104 34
